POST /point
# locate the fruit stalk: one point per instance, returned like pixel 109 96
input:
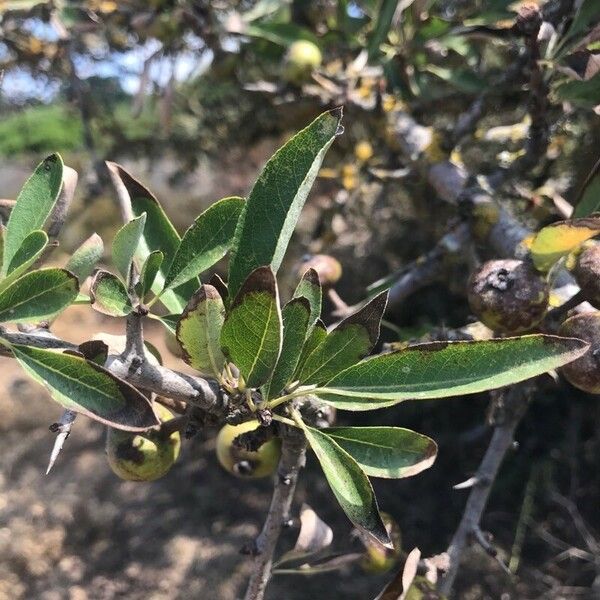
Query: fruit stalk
pixel 293 452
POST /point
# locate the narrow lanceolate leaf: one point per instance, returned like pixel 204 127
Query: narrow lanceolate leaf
pixel 251 334
pixel 588 200
pixel 345 345
pixel 315 337
pixel 199 330
pixel 205 242
pixel 444 369
pixel 310 288
pixel 274 204
pixel 34 204
pixel 555 241
pixel 295 315
pixel 31 249
pixel 169 322
pixel 109 295
pixel 149 271
pixel 159 234
pixel 349 484
pixel 37 295
pixel 84 259
pixel 126 242
pixel 388 452
pixel 82 386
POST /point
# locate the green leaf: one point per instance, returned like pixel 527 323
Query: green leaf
pixel 588 200
pixel 282 34
pixel 34 203
pixel 274 204
pixel 199 329
pixel 109 295
pixel 554 241
pixel 345 345
pixel 85 258
pixel 388 452
pixel 37 296
pixel 315 337
pixel 82 386
pixel 159 234
pixel 149 271
pixel 295 315
pixel 349 484
pixel 206 241
pixel 581 93
pixel 385 15
pixel 251 334
pixel 31 249
pixel 445 369
pixel 310 288
pixel 125 244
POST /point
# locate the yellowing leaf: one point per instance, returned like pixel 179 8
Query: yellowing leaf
pixel 559 239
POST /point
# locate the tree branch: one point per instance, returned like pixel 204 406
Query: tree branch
pixel 140 373
pixel 513 403
pixel 293 451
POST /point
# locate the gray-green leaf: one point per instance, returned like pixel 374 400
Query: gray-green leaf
pixel 345 345
pixel 251 334
pixel 206 241
pixel 199 330
pixel 274 204
pixel 37 296
pixel 150 269
pixel 125 244
pixel 388 452
pixel 109 295
pixel 85 258
pixel 34 203
pixel 82 386
pixel 444 369
pixel 310 288
pixel 315 337
pixel 295 314
pixel 159 234
pixel 31 249
pixel 349 484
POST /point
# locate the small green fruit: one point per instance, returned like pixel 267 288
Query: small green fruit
pixel 328 268
pixel 508 296
pixel 584 373
pixel 143 456
pixel 587 273
pixel 244 463
pixel 300 60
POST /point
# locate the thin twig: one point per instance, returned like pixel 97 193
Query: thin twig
pixel 293 450
pixel 515 402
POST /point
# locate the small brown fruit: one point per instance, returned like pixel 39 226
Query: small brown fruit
pixel 143 456
pixel 328 268
pixel 245 463
pixel 587 273
pixel 584 373
pixel 508 296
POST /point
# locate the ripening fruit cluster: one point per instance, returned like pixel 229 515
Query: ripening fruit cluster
pixel 511 297
pixel 150 455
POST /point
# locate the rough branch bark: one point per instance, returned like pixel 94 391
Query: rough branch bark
pixel 293 452
pixel 515 404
